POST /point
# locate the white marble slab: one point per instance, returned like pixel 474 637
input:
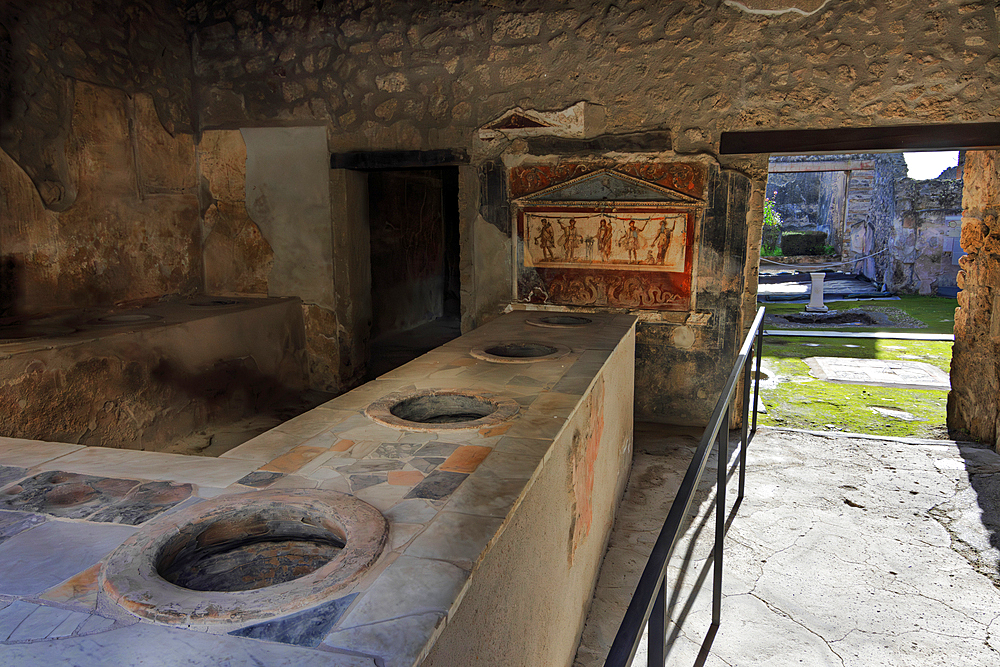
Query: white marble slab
pixel 133 464
pixel 30 453
pixel 879 373
pixel 147 644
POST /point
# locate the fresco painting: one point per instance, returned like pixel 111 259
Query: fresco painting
pixel 627 240
pixel 607 235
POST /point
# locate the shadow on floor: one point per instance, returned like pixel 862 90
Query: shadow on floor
pixel 391 351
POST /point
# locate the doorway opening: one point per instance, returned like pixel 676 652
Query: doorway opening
pixel 876 355
pixel 415 282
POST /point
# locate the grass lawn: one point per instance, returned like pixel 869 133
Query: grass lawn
pixel 794 398
pixel 935 312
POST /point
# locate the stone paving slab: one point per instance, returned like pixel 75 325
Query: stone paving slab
pixel 848 551
pixel 879 373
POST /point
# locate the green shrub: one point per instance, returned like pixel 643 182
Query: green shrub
pixel 770 237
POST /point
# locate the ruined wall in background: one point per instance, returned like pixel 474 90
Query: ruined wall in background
pixel 974 400
pixel 881 212
pixel 133 231
pixel 924 249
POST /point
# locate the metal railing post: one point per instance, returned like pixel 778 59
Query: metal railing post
pixel 656 636
pixel 756 384
pixel 720 516
pixel 648 608
pixel 746 409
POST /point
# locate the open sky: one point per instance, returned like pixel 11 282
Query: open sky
pixel 925 165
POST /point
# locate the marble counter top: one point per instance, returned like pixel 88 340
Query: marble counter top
pixel 446 496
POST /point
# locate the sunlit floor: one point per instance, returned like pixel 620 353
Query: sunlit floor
pixel 847 550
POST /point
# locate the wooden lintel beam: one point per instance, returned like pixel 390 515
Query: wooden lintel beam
pixel 825 165
pixel 388 160
pixel 863 139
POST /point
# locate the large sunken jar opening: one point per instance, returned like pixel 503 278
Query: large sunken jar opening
pixel 559 321
pixel 519 352
pixel 244 557
pixel 441 410
pixel 243 553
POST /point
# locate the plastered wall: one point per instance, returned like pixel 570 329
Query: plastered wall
pixel 133 231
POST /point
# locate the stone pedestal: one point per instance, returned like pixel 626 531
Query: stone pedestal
pixel 816 294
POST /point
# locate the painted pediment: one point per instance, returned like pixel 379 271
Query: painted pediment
pixel 578 121
pixel 608 185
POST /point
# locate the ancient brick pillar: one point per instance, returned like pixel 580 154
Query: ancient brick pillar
pixel 974 400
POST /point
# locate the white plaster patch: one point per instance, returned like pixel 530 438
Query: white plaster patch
pixel 876 372
pixel 775 7
pixel 683 338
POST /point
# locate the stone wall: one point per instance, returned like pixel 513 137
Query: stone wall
pixel 880 220
pixel 924 250
pixel 810 201
pixel 973 403
pixel 383 74
pixel 386 76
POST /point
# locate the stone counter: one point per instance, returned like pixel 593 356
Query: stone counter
pixel 495 534
pixel 142 377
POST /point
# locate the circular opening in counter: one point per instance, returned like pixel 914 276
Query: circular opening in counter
pixel 245 556
pixel 559 321
pixel 26 332
pixel 125 318
pixel 441 410
pixel 248 552
pixel 519 352
pixel 214 303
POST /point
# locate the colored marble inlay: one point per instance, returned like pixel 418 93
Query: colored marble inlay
pixel 306 628
pixel 259 479
pixel 405 477
pixel 104 499
pixel 465 459
pixel 437 485
pixel 293 460
pixel 80 589
pixel 10 473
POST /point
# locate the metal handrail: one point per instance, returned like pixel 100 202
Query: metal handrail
pixel 649 601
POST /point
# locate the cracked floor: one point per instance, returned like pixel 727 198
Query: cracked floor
pixel 847 551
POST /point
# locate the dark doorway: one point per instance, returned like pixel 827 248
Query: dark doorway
pixel 413 220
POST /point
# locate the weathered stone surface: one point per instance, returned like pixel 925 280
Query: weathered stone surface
pixel 132 46
pixel 238 259
pixel 795 64
pixel 974 401
pixel 97 251
pixel 323 349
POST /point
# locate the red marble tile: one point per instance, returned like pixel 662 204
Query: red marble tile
pixel 465 459
pixel 294 459
pixel 405 477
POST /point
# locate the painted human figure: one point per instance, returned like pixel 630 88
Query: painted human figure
pixel 546 240
pixel 604 239
pixel 630 240
pixel 662 239
pixel 571 238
